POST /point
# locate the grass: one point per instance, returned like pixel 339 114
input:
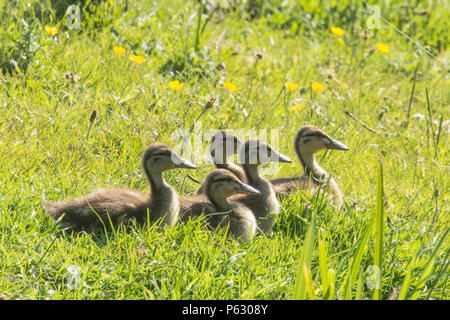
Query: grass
pixel 54 147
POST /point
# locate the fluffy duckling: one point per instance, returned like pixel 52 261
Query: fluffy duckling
pixel 121 205
pixel 223 145
pixel 221 184
pixel 309 140
pixel 265 206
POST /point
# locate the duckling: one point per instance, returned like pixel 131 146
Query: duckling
pixel 265 206
pixel 122 205
pixel 309 140
pixel 223 145
pixel 221 184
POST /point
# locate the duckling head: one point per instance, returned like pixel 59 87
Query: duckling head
pixel 223 183
pixel 257 152
pixel 223 145
pixel 311 139
pixel 159 157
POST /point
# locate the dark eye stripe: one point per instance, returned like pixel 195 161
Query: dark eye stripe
pixel 226 179
pixel 319 135
pixel 265 148
pixel 162 153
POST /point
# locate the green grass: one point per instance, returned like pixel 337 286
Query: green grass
pixel 51 149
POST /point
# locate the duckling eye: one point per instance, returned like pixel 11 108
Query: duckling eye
pixel 306 140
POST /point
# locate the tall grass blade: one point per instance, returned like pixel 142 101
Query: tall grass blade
pixel 356 262
pixel 427 270
pixel 430 122
pixel 412 93
pixel 407 281
pixel 323 266
pixel 379 226
pixel 439 276
pixel 199 23
pixel 332 279
pixel 308 280
pixel 305 262
pixel 359 288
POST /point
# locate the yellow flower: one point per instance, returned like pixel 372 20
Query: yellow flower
pixel 382 47
pixel 279 111
pixel 229 86
pixel 296 107
pixel 52 30
pixel 120 51
pixel 317 86
pixel 337 31
pixel 291 86
pixel 176 85
pixel 137 59
pixel 225 117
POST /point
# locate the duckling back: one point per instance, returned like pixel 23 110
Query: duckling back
pixel 101 208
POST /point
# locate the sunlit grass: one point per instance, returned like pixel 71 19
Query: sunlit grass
pixel 54 148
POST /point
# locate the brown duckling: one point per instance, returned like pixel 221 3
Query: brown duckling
pixel 223 145
pixel 265 206
pixel 220 185
pixel 121 205
pixel 309 140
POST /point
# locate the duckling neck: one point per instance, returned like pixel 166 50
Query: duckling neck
pixel 311 166
pixel 156 180
pixel 251 171
pixel 220 160
pixel 164 200
pixel 220 202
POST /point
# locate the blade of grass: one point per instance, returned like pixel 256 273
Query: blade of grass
pixel 308 281
pixel 427 270
pixel 323 265
pixel 379 226
pixel 356 262
pixel 430 122
pixel 305 262
pixel 332 279
pixel 441 274
pixel 359 288
pixel 199 23
pixel 412 93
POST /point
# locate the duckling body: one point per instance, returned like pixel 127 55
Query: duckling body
pixel 220 184
pixel 309 140
pixel 265 206
pixel 223 145
pixel 106 206
pixel 119 204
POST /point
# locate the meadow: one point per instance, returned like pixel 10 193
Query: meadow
pixel 80 104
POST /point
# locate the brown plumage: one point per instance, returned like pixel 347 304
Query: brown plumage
pixel 221 184
pixel 122 205
pixel 265 206
pixel 309 140
pixel 223 145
